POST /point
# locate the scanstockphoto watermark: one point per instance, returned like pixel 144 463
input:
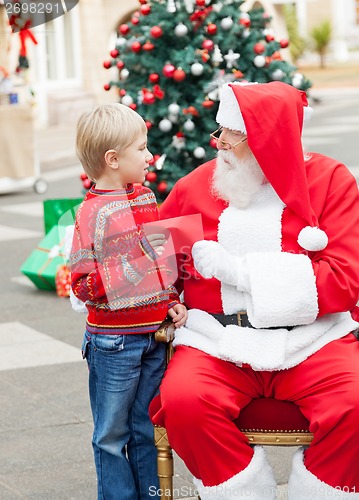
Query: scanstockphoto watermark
pixel 182 492
pixel 25 14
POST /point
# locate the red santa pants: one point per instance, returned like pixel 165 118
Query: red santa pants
pixel 201 395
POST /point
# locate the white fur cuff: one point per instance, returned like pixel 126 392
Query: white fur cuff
pixel 256 482
pixel 283 290
pixel 303 485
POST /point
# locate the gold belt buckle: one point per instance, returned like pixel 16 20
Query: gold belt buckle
pixel 239 319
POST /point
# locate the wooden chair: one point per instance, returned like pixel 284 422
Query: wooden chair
pixel 264 421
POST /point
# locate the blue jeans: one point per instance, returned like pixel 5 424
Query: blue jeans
pixel 124 375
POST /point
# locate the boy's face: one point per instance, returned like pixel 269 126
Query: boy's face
pixel 133 161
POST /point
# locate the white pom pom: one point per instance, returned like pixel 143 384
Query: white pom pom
pixel 312 239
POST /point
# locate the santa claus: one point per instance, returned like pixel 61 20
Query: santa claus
pixel 271 294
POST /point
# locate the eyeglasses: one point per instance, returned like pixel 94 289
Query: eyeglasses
pixel 225 145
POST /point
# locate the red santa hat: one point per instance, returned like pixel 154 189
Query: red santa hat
pixel 271 114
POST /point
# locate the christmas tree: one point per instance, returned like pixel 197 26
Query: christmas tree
pixel 172 58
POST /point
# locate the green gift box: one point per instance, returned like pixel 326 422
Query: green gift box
pixel 41 265
pixel 60 211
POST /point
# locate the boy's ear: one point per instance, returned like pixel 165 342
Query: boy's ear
pixel 111 158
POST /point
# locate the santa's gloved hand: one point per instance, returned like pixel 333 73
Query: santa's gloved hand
pixel 212 260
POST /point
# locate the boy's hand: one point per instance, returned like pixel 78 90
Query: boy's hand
pixel 178 314
pixel 157 241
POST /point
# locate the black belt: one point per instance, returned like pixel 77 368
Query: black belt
pixel 239 319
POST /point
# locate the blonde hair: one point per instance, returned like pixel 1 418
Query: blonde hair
pixel 111 126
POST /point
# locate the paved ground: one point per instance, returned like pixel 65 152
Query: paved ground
pixel 45 420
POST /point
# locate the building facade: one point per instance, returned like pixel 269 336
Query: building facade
pixel 66 66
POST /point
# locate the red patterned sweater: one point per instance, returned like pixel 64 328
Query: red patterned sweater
pixel 114 269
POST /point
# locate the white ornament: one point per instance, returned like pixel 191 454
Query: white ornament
pixel 259 61
pixel 124 74
pixel 246 33
pixel 226 23
pixel 127 100
pixel 244 15
pixel 181 30
pixel 277 74
pixel 173 117
pixel 199 152
pixel 178 142
pixel 217 57
pixel 121 41
pixel 197 69
pixel 171 6
pixel 297 80
pixel 174 108
pixel 165 125
pixel 189 125
pixel 231 58
pixel 189 5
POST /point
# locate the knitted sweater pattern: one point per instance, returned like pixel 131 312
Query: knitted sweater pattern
pixel 114 269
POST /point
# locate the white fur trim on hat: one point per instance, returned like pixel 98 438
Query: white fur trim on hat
pixel 229 114
pixel 312 239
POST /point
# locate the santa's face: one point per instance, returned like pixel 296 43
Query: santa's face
pixel 235 179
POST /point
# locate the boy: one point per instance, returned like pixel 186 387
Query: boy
pixel 117 271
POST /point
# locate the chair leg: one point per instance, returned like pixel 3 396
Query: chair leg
pixel 164 463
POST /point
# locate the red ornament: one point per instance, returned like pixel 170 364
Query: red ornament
pixel 143 1
pixel 148 124
pixel 156 32
pixel 120 64
pixel 107 64
pixel 124 29
pixel 259 48
pixel 114 53
pixel 107 86
pixel 208 104
pixel 213 143
pixel 168 70
pixel 162 187
pixel 148 98
pixel 238 74
pixel 145 9
pixel 122 92
pixel 212 29
pixel 284 43
pixel 83 176
pixel 133 106
pixel 179 75
pixel 135 21
pixel 136 47
pixel 201 3
pixel 277 56
pixel 151 177
pixel 148 46
pixel 244 21
pixel 87 183
pixel 154 78
pixel 156 158
pixel 269 38
pixel 208 45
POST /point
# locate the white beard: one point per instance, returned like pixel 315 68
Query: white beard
pixel 236 181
